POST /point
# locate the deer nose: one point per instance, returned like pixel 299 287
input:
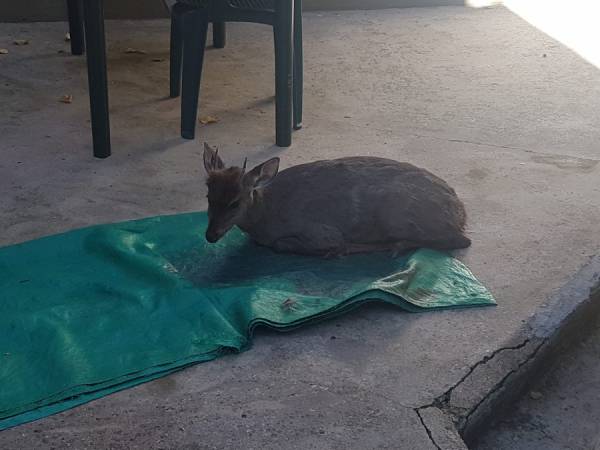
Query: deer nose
pixel 212 236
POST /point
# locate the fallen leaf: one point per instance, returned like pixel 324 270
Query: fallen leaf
pixel 207 120
pixel 158 59
pixel 67 37
pixel 289 305
pixel 3 51
pixel 66 99
pixel 535 395
pixel 135 50
pixel 20 42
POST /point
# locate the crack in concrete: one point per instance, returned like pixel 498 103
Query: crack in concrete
pixel 508 147
pixel 589 163
pixel 442 401
pixel 499 385
pixel 465 418
pixel 465 141
pixel 427 430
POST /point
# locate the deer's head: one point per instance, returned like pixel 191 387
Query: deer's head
pixel 231 191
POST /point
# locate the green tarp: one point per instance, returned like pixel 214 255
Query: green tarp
pixel 97 310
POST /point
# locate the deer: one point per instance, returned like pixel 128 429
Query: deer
pixel 333 208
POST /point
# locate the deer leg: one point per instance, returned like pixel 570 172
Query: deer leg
pixel 317 239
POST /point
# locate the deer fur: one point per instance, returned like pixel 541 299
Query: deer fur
pixel 334 207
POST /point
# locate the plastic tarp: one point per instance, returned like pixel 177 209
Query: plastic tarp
pixel 100 309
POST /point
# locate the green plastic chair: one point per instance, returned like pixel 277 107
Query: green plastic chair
pixel 189 28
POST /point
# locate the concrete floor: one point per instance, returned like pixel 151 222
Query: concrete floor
pixel 561 411
pixel 465 93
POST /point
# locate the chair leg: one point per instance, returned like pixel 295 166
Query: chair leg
pixel 298 65
pixel 176 49
pixel 195 29
pixel 93 13
pixel 219 34
pixel 75 8
pixel 283 71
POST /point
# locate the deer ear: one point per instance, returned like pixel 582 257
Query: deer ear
pixel 263 174
pixel 212 160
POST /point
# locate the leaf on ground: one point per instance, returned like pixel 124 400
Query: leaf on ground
pixel 67 37
pixel 66 99
pixel 535 395
pixel 207 120
pixel 135 50
pixel 3 51
pixel 21 42
pixel 158 59
pixel 289 305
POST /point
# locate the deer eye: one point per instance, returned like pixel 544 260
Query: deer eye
pixel 234 204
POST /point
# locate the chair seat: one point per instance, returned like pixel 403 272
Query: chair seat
pixel 263 5
pixel 251 5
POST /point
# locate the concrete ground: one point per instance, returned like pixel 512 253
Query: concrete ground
pixel 561 411
pixel 504 113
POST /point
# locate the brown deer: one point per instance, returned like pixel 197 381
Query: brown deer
pixel 334 207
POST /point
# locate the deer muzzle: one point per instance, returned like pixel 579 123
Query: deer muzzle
pixel 216 232
pixel 213 236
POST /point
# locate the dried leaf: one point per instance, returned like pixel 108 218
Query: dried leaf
pixel 158 59
pixel 66 99
pixel 535 395
pixel 135 50
pixel 3 51
pixel 21 42
pixel 289 304
pixel 67 36
pixel 207 120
